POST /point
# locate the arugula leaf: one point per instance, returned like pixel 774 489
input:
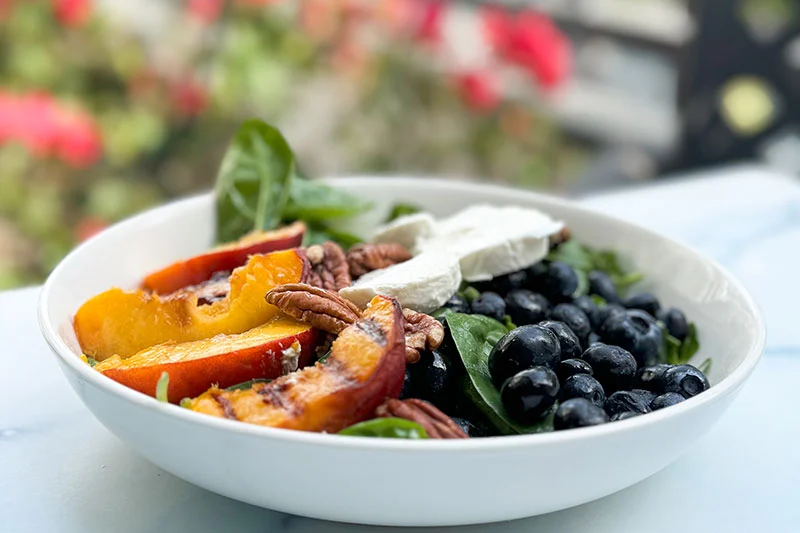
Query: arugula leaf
pixel 391 428
pixel 401 209
pixel 247 385
pixel 253 181
pixel 313 201
pixel 162 388
pixel 475 336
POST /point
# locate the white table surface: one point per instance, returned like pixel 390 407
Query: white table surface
pixel 61 471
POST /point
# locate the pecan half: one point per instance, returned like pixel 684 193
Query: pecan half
pixel 364 258
pixel 435 423
pixel 321 308
pixel 423 332
pixel 329 269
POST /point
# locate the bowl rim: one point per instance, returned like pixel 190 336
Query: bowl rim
pixel 726 386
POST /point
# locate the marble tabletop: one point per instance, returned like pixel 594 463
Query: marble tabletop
pixel 61 471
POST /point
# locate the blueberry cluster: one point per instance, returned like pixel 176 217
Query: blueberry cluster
pixel 597 363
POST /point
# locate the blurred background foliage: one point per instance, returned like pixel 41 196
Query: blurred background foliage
pixel 101 118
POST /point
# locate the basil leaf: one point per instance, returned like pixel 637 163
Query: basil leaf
pixel 475 336
pixel 387 428
pixel 253 181
pixel 247 385
pixel 401 210
pixel 162 387
pixel 312 201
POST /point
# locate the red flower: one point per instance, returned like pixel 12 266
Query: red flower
pixel 478 90
pixel 72 13
pixel 205 11
pixel 189 97
pixel 430 15
pixel 532 41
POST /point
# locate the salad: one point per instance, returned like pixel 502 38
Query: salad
pixel 491 321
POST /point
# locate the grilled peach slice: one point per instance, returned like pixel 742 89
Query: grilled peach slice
pixel 118 322
pixel 366 366
pixel 200 268
pixel 223 360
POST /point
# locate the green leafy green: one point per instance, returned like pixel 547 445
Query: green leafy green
pixel 508 323
pixel 91 361
pixel 690 344
pixel 247 385
pixel 391 428
pixel 318 233
pixel 705 366
pixel 162 387
pixel 475 336
pixel 324 358
pixel 441 313
pixel 677 352
pixel 313 201
pixel 599 301
pixel 400 210
pixel 585 259
pixel 470 293
pixel 254 181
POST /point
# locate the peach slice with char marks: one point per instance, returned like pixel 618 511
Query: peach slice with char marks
pixel 223 360
pixel 200 268
pixel 366 366
pixel 118 322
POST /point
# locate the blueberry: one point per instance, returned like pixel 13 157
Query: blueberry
pixel 527 395
pixel 576 319
pixel 571 367
pixel 436 377
pixel 523 348
pixel 637 332
pixel 594 338
pixel 457 304
pixel 449 349
pixel 676 323
pixel 409 385
pixel 560 282
pixel 489 304
pixel 624 415
pixel 614 367
pixel 644 301
pixel 570 345
pixel 526 307
pixel 646 395
pixel 578 413
pixel 651 378
pixel 666 400
pixel 607 312
pixel 587 305
pixel 600 284
pixel 536 274
pixel 622 401
pixel 583 386
pixel 685 380
pixel 471 428
pixel 506 283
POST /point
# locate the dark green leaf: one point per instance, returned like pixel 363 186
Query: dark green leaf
pixel 705 366
pixel 690 344
pixel 401 210
pixel 387 428
pixel 441 313
pixel 470 294
pixel 313 201
pixel 247 385
pixel 475 336
pixel 162 387
pixel 254 181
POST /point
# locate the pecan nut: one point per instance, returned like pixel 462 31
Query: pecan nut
pixel 329 268
pixel 435 423
pixel 363 258
pixel 321 308
pixel 423 332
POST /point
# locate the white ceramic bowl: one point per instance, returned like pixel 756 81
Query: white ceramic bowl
pixel 395 482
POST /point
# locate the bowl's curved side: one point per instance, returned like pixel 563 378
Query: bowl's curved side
pixel 384 479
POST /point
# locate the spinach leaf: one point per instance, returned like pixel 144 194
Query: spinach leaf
pixel 162 387
pixel 318 233
pixel 475 336
pixel 313 201
pixel 247 385
pixel 585 259
pixel 400 210
pixel 253 182
pixel 391 428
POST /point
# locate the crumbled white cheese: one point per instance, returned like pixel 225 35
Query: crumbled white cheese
pixel 290 360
